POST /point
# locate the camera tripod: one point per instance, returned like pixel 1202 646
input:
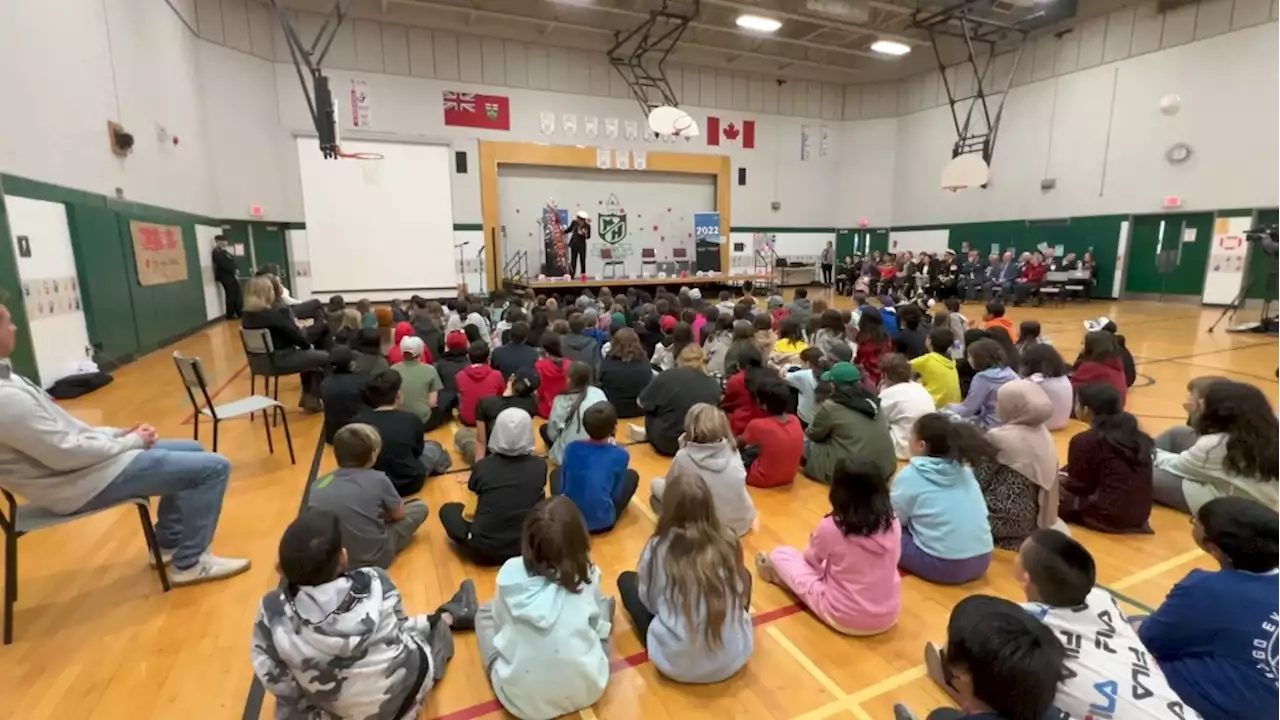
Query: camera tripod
pixel 1229 312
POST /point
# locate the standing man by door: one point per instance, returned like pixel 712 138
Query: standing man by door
pixel 827 261
pixel 225 272
pixel 579 234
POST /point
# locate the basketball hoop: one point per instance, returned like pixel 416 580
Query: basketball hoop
pixel 359 155
pixel 964 172
pixel 369 170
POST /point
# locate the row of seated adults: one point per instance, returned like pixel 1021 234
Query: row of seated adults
pixel 943 276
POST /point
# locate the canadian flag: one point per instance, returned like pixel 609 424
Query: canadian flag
pixel 731 132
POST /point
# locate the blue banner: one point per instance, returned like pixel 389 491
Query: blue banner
pixel 706 227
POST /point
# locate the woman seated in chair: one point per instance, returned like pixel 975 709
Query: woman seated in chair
pixel 293 352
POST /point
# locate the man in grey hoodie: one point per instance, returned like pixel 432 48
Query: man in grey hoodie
pixel 579 346
pixel 801 307
pixel 58 463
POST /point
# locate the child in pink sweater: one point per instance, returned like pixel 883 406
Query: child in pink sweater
pixel 848 575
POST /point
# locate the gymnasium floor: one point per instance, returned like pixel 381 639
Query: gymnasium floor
pixel 96 637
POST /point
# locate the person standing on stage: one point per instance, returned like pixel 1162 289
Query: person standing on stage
pixel 225 273
pixel 579 233
pixel 827 260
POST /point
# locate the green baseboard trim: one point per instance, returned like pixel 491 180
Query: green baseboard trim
pixel 793 230
pixel 477 227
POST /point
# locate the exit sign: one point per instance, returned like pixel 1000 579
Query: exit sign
pixel 1171 202
pixel 256 210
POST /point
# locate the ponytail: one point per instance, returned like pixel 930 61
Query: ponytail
pixel 1115 426
pixel 953 440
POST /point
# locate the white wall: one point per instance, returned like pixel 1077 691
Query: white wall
pixel 76 64
pixel 50 287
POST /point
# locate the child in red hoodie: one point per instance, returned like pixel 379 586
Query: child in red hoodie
pixel 476 382
pixel 773 445
pixel 553 373
pixel 1099 362
pixel 395 355
pixel 739 403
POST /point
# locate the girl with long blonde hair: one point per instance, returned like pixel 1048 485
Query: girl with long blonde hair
pixel 707 450
pixel 292 350
pixel 688 599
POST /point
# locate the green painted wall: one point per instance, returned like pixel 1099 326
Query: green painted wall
pixel 1261 266
pixel 23 358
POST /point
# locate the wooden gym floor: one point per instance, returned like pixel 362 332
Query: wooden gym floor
pixel 96 637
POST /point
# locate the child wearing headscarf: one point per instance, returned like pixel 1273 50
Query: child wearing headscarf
pixel 1021 486
pixel 507 483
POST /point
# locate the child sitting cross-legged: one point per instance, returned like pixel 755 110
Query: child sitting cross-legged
pixel 335 642
pixel 376 523
pixel 1058 575
pixel 508 481
pixel 937 370
pixel 946 536
pixel 688 598
pixel 707 450
pixel 772 446
pixel 902 401
pixel 594 472
pixel 544 639
pixel 848 574
pixel 405 456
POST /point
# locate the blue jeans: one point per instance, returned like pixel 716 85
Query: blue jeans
pixel 190 482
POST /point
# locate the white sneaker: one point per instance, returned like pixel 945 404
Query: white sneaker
pixel 166 556
pixel 209 567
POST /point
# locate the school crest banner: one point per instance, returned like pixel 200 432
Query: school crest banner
pixel 159 252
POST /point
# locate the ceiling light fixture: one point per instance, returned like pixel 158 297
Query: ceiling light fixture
pixel 758 23
pixel 890 47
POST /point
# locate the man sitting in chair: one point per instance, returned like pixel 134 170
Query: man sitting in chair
pixel 59 463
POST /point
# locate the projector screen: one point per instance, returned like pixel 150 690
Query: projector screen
pixel 379 228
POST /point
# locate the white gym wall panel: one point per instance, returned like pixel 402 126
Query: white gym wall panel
pixel 50 286
pixel 930 241
pixel 379 229
pixel 658 206
pixel 214 302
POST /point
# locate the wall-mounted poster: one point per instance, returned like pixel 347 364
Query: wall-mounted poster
pixel 159 252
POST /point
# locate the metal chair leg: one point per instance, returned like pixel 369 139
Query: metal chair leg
pixel 266 425
pixel 195 425
pixel 10 581
pixel 215 433
pixel 253 386
pixel 275 395
pixel 288 439
pixel 153 544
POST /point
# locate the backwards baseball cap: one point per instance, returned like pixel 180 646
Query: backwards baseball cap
pixel 842 372
pixel 412 345
pixel 695 294
pixel 525 380
pixel 1096 325
pixel 668 323
pixel 456 340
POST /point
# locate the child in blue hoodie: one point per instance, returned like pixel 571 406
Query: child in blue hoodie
pixel 544 640
pixel 946 537
pixel 991 372
pixel 595 475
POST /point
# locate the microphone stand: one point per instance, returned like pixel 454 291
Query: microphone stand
pixel 462 272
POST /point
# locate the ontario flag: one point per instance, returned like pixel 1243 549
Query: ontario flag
pixel 490 112
pixel 719 132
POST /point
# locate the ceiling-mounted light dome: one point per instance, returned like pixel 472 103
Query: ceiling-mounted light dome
pixel 890 47
pixel 758 23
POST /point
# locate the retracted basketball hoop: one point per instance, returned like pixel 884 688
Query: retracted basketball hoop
pixel 359 155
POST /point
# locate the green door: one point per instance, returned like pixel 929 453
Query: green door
pixel 102 264
pixel 1262 267
pixel 848 242
pixel 1168 253
pixel 269 249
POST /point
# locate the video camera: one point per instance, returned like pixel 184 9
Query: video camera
pixel 1267 238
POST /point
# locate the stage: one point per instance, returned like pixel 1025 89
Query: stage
pixel 672 282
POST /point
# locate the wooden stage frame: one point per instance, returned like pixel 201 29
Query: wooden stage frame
pixel 494 153
pixel 674 281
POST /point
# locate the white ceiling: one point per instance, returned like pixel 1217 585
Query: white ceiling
pixel 826 47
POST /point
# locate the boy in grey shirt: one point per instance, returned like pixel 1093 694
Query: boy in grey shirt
pixel 376 523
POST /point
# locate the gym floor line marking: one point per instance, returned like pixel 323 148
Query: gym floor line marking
pixel 1176 358
pixel 853 701
pixel 1224 371
pixel 1157 569
pixel 1127 600
pixel 803 660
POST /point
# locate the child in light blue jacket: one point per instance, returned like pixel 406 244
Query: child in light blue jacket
pixel 991 368
pixel 946 536
pixel 564 423
pixel 544 640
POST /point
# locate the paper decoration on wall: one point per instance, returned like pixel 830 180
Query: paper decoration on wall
pixel 806 144
pixel 1189 235
pixel 590 125
pixel 159 253
pixel 604 158
pixel 488 112
pixel 361 105
pixel 640 160
pixel 302 269
pixel 51 297
pixel 547 122
pixel 570 124
pixel 611 128
pixel 824 141
pixel 622 160
pixel 731 132
pixel 631 130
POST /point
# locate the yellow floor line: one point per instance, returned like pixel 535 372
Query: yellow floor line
pixel 826 682
pixel 825 711
pixel 645 510
pixel 859 713
pixel 587 714
pixel 1157 569
pixel 890 684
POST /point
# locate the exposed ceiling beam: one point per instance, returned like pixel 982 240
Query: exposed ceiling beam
pixel 553 24
pixel 818 20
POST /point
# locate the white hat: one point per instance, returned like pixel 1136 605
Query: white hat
pixel 583 215
pixel 412 345
pixel 1096 325
pixel 695 294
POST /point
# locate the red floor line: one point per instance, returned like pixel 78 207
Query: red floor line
pixel 615 666
pixel 213 395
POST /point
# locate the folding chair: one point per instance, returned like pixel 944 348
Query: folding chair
pixel 1079 283
pixel 260 352
pixel 19 520
pixel 680 256
pixel 192 373
pixel 611 263
pixel 1053 286
pixel 649 257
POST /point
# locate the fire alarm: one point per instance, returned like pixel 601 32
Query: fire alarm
pixel 121 140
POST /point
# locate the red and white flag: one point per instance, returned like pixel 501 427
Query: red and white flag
pixel 731 132
pixel 489 112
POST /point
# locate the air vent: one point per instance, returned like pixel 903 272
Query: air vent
pixel 1163 6
pixel 1004 8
